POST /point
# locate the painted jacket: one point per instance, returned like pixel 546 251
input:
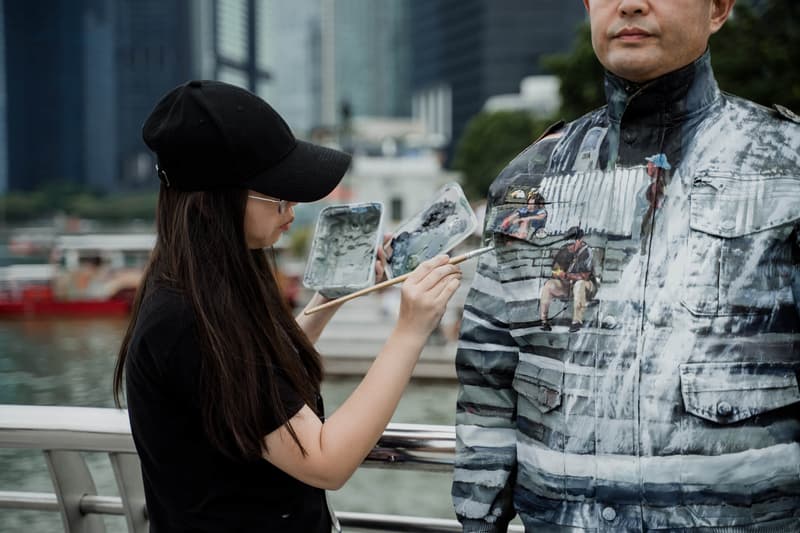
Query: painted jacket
pixel 663 394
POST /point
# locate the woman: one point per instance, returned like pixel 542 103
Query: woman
pixel 222 383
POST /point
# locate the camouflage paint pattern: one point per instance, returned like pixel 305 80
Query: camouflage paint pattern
pixel 673 405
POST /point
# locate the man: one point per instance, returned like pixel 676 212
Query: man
pixel 530 218
pixel 573 276
pixel 675 406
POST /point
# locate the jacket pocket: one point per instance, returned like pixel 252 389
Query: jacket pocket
pixel 540 380
pixel 739 252
pixel 726 393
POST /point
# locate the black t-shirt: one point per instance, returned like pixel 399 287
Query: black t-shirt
pixel 189 485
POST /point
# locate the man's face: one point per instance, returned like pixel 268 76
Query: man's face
pixel 640 40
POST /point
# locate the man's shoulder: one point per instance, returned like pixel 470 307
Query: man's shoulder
pixel 758 115
pixel 548 139
pixel 561 129
pixel 536 158
pixel 785 113
pixel 753 138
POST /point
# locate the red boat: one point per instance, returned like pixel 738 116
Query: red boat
pixel 88 275
pixel 41 301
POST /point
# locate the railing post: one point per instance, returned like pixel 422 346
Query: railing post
pixel 128 474
pixel 72 480
pixel 65 434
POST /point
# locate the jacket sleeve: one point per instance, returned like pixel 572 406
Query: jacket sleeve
pixel 796 269
pixel 485 463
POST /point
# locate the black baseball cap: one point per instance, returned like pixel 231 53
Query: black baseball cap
pixel 211 135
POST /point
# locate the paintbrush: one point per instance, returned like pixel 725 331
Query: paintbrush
pixel 394 281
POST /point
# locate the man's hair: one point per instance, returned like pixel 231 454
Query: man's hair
pixel 575 232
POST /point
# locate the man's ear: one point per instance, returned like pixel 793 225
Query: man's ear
pixel 586 5
pixel 720 11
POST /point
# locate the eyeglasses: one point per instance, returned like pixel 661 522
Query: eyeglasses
pixel 283 205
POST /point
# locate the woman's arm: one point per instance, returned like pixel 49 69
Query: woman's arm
pixel 336 448
pixel 312 325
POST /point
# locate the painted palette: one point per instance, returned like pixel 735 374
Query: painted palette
pixel 344 249
pixel 444 222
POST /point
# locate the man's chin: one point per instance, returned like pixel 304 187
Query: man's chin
pixel 635 65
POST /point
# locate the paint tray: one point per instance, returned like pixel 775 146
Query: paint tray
pixel 442 224
pixel 344 249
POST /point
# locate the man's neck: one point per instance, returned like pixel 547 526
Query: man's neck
pixel 671 96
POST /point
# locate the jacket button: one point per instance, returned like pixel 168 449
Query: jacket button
pixel 724 409
pixel 609 514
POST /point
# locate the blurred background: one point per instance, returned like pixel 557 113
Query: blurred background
pixel 421 92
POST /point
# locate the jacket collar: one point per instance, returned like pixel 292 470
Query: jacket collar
pixel 671 98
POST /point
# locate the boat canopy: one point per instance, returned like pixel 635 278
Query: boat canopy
pixel 119 250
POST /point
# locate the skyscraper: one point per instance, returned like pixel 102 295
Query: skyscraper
pixel 289 48
pixel 81 76
pixel 3 119
pixel 373 57
pixel 270 47
pixel 465 51
pixel 152 54
pixel 310 57
pixel 44 88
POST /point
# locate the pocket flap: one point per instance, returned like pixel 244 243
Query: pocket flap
pixel 730 392
pixel 541 383
pixel 729 206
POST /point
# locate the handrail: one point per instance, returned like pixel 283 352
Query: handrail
pixel 108 430
pixel 63 432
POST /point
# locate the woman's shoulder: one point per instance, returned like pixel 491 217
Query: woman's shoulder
pixel 165 316
pixel 166 297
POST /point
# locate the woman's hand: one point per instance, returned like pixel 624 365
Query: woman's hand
pixel 425 294
pixel 380 262
pixel 335 449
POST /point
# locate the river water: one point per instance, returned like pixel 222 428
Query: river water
pixel 70 362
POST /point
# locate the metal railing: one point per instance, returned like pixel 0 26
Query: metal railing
pixel 64 433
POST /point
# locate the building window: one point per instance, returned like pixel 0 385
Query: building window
pixel 396 209
pixel 232 30
pixel 434 107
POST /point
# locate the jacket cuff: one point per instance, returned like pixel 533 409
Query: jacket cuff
pixel 481 526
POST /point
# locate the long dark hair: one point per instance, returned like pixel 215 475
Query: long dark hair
pixel 245 327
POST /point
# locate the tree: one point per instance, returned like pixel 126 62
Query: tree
pixel 69 199
pixel 755 53
pixel 489 142
pixel 581 76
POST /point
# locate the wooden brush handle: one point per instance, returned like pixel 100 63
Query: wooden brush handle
pixel 389 282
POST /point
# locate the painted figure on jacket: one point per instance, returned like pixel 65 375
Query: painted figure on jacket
pixel 528 219
pixel 668 401
pixel 572 278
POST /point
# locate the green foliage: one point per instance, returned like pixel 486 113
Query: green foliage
pixel 755 53
pixel 300 240
pixel 581 76
pixel 70 200
pixel 18 207
pixel 114 208
pixel 489 142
